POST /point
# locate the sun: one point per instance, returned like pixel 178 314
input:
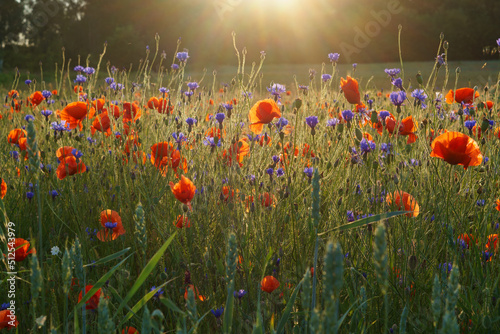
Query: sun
pixel 281 6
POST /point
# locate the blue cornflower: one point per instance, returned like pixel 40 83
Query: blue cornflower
pixel 392 72
pixel 220 117
pixel 383 114
pixel 175 67
pixel 217 312
pixel 325 77
pixel 191 121
pixel 420 95
pixel 354 65
pixel 54 194
pixel 63 126
pixel 109 80
pixel 76 153
pixel 350 216
pixel 46 94
pixel 498 42
pixel 347 115
pixel 485 160
pixel 27 82
pixel 440 59
pixel 386 147
pixel 110 225
pixel 46 113
pixel 163 90
pixel 192 85
pixel 179 138
pixel 397 98
pixel 276 89
pixel 446 267
pixel 312 121
pixel 302 87
pixel 280 172
pixel 480 202
pixel 276 159
pixel 247 94
pixel 332 122
pixel 470 124
pixel 239 294
pixel 270 171
pixel 334 57
pixel 209 141
pixel 366 145
pixel 398 82
pixel 29 118
pixel 80 79
pixel 78 68
pixel 228 106
pixel 158 293
pixel 4 306
pixel 30 195
pixel 14 155
pixel 414 162
pixel 182 56
pixel 189 93
pixel 89 70
pixel 309 171
pixel 487 256
pixel 281 123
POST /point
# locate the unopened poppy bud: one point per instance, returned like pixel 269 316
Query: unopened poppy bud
pixel 359 134
pixel 374 117
pixel 395 178
pixel 282 135
pixel 420 80
pixel 297 103
pixel 398 109
pixel 458 70
pixel 446 45
pixel 340 127
pixel 375 165
pixel 485 124
pixel 483 141
pixel 185 208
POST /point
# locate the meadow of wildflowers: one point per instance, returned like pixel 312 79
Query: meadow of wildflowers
pixel 153 202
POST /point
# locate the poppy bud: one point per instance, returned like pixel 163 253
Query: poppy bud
pixel 483 141
pixel 375 165
pixel 420 80
pixel 485 124
pixel 374 117
pixel 398 109
pixel 297 104
pixel 359 134
pixel 446 45
pixel 395 178
pixel 458 70
pixel 340 127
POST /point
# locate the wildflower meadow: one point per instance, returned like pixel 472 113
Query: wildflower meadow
pixel 149 200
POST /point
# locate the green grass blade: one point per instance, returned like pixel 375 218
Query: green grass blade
pixel 366 221
pixel 145 273
pixel 100 283
pixel 171 305
pixel 108 258
pixel 288 309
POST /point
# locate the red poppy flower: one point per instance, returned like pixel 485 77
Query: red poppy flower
pixel 498 204
pixel 407 127
pixel 112 223
pixel 3 188
pixel 269 284
pixel 70 166
pixel 101 123
pixel 36 98
pixel 74 113
pixel 465 95
pixel 16 134
pixel 457 149
pixel 488 104
pixel 131 112
pixel 182 221
pixel 492 243
pixel 267 199
pixel 404 201
pixel 183 190
pixel 130 330
pixel 8 320
pixel 236 152
pixel 196 293
pixel 351 91
pixel 22 249
pixel 93 302
pixel 164 155
pixel 466 238
pixel 98 104
pixel 263 112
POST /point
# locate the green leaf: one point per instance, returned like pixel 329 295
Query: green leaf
pixel 145 273
pixel 366 221
pixel 100 283
pixel 171 305
pixel 288 309
pixel 108 258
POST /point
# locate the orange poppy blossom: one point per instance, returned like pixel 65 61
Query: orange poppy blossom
pixel 466 239
pixel 269 284
pixel 404 201
pixel 215 132
pixel 8 320
pixel 263 112
pixel 497 202
pixel 491 245
pixel 465 95
pixel 93 302
pixel 164 155
pixel 3 188
pixel 236 152
pixel 407 127
pixel 196 293
pixel 74 113
pixel 129 330
pixel 457 149
pixel 78 89
pixel 69 164
pixel 98 104
pixel 36 98
pixel 22 250
pixel 182 221
pixel 16 134
pixel 265 140
pixel 13 94
pixel 101 123
pixel 227 193
pixel 267 199
pixel 131 112
pixel 112 222
pixel 161 105
pixel 184 190
pixel 351 90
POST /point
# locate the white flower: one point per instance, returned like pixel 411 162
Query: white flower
pixel 55 250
